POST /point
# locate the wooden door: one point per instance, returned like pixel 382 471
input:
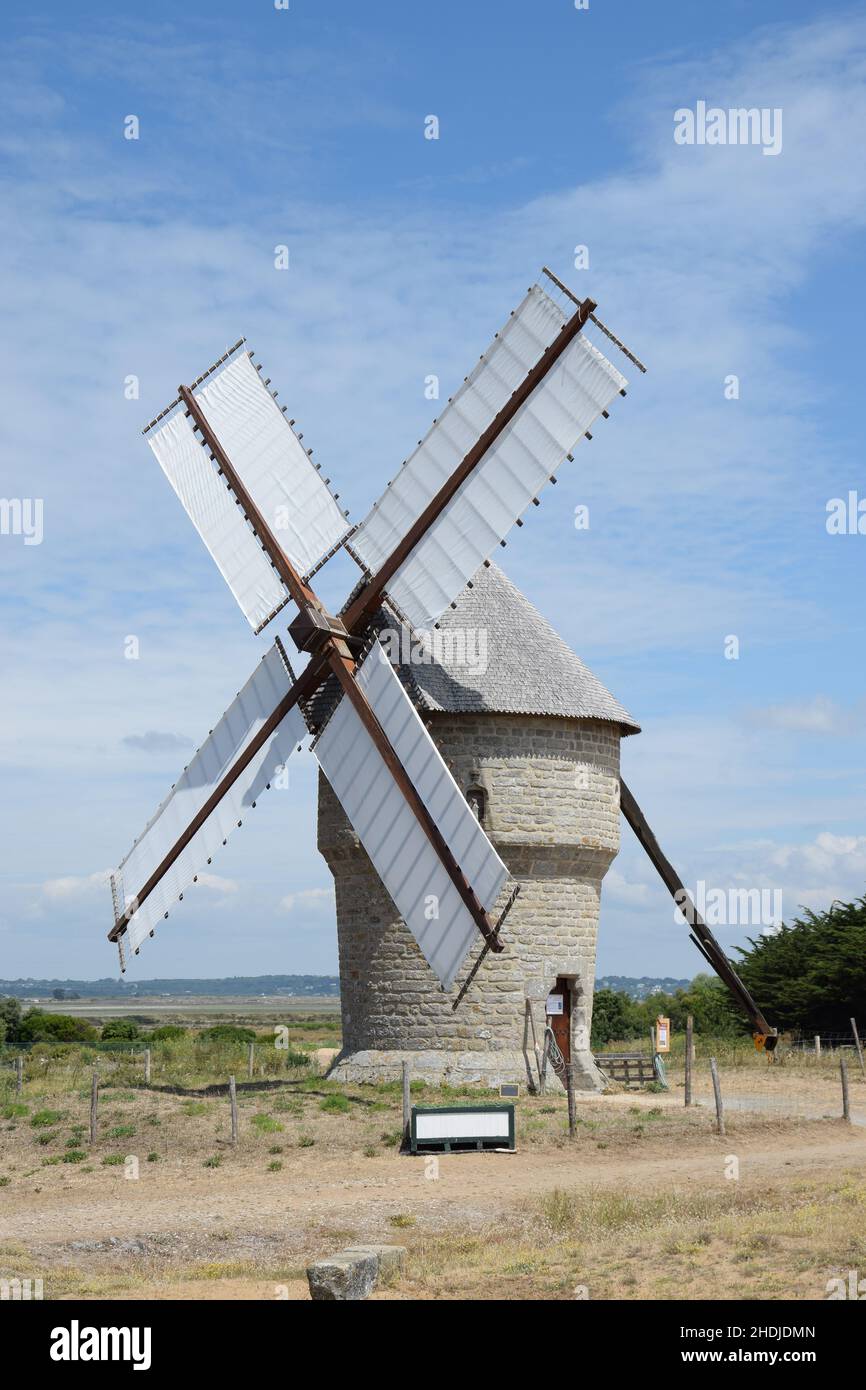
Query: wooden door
pixel 561 1022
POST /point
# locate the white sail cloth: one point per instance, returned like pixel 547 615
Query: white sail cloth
pixel 274 467
pixel 243 719
pixel 580 385
pixel 399 849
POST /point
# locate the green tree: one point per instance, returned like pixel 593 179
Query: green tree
pixel 121 1029
pixel 811 974
pixel 37 1026
pixel 10 1019
pixel 614 1017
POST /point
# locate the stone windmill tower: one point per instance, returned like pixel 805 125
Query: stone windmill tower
pixel 532 738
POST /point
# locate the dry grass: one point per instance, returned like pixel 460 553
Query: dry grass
pixel 786 1241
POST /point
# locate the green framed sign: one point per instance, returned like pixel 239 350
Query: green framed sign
pixel 452 1128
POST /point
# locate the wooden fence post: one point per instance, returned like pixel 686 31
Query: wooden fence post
pixel 858 1045
pixel 19 1074
pixel 817 1047
pixel 251 1060
pixel 147 1066
pixel 569 1087
pixel 94 1105
pixel 407 1100
pixel 690 1025
pixel 233 1100
pixel 846 1099
pixel 717 1092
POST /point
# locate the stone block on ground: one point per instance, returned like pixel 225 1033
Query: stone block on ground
pixel 351 1275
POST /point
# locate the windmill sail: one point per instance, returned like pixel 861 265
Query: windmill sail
pixel 401 853
pixel 245 717
pixel 512 472
pixel 274 467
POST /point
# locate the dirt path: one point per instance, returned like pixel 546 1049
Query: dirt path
pixel 332 1191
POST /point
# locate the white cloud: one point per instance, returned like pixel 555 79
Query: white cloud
pixel 311 898
pixel 623 890
pixel 155 741
pixel 818 715
pixel 217 884
pixel 71 887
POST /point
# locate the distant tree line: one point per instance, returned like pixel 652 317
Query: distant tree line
pixel 122 989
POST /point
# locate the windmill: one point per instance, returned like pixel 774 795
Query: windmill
pixel 271 521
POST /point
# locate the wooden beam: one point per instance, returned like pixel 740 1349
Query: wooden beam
pixel 706 942
pixel 368 600
pixel 343 666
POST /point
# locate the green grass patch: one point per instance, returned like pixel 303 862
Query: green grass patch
pixel 335 1105
pixel 44 1119
pixel 266 1124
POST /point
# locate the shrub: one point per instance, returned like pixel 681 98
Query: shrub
pixel 153 1158
pixel 213 1162
pixel 4 1182
pixel 13 1110
pixel 266 1124
pixel 74 1156
pixel 45 1118
pixel 121 1132
pixel 112 1160
pixel 305 1141
pixel 296 1059
pixel 168 1033
pixel 227 1033
pixel 275 1167
pixel 122 1029
pixel 335 1105
pixel 37 1026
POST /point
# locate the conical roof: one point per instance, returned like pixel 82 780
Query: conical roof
pixel 495 653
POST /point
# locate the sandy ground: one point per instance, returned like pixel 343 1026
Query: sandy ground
pixel 187 1230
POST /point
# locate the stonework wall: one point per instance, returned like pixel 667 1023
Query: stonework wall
pixel 551 791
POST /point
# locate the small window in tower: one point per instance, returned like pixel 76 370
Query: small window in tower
pixel 477 800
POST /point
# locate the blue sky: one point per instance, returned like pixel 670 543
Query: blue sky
pixel 707 515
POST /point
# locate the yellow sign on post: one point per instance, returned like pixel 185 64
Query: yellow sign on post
pixel 663 1035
